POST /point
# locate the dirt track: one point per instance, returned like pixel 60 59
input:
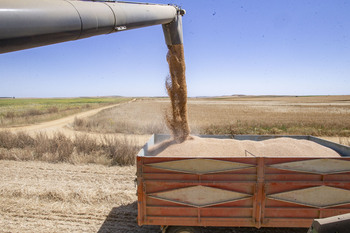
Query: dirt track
pixel 59 123
pixel 43 197
pixel 63 125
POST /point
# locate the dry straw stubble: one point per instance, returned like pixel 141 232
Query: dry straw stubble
pixel 80 149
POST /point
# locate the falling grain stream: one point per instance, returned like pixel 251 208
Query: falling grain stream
pixel 177 90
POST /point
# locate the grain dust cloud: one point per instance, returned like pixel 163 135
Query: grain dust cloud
pixel 175 84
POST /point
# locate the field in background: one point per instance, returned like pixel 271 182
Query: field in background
pixel 16 112
pixel 313 115
pixel 144 116
pixel 324 116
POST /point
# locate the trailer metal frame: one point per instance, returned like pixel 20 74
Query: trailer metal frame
pixel 242 191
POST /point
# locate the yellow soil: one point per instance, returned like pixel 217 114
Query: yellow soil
pixel 43 197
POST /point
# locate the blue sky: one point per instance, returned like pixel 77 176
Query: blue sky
pixel 253 47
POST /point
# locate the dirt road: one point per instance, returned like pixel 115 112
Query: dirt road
pixel 63 125
pixel 42 197
pixel 60 123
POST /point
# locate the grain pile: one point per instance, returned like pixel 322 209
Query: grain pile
pixel 177 90
pixel 211 147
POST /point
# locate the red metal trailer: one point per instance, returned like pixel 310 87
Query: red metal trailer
pixel 242 191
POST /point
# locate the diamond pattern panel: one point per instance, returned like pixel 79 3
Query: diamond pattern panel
pixel 200 196
pixel 318 166
pixel 200 166
pixel 321 196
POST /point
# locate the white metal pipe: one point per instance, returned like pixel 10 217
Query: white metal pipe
pixel 32 23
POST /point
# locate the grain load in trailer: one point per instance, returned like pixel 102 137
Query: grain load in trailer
pixel 212 147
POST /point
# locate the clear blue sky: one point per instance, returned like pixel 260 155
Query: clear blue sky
pixel 289 47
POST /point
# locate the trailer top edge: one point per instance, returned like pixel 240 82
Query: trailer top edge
pixel 343 150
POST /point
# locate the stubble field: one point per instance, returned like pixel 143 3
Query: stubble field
pixel 315 115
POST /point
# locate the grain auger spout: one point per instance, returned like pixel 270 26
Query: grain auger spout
pixel 32 23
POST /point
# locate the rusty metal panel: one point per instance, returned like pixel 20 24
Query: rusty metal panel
pixel 320 197
pixel 318 166
pixel 205 196
pixel 200 166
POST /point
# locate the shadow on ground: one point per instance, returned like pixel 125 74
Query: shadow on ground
pixel 253 230
pixel 122 219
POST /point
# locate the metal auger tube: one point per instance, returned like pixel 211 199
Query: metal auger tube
pixel 173 32
pixel 32 23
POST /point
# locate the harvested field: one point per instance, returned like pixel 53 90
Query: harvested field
pixel 42 197
pixel 315 115
pixel 144 116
